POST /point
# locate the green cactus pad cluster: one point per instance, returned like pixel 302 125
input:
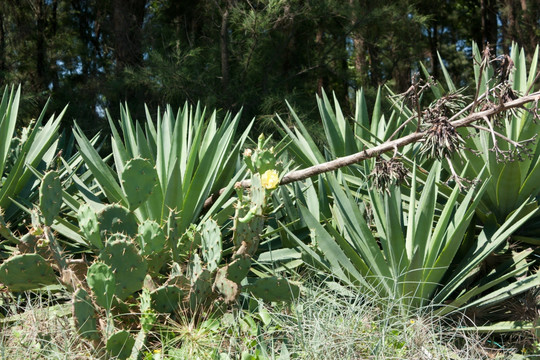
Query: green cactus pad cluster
pixel 26 272
pixel 265 161
pixel 127 265
pixel 119 345
pixel 262 159
pixel 85 315
pixel 211 244
pixel 89 225
pixel 102 281
pixel 139 178
pixel 274 289
pixel 166 299
pixel 50 196
pixel 117 219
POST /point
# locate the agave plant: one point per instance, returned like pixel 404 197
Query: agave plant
pixel 344 136
pixel 175 163
pixel 511 151
pixel 416 253
pixel 35 146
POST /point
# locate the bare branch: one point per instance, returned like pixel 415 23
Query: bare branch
pixel 302 174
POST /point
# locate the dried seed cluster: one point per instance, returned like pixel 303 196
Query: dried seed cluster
pixel 387 173
pixel 441 139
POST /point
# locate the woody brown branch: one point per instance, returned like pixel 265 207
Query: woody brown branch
pixel 298 175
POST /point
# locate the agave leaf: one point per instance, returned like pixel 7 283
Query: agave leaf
pixel 503 272
pixel 487 242
pixel 37 150
pixel 101 171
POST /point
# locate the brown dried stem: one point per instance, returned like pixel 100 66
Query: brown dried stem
pixel 302 174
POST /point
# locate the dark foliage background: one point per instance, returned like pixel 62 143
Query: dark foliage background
pixel 230 54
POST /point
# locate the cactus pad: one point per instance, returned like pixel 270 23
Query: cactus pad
pixel 153 244
pixel 119 345
pixel 50 196
pixel 229 289
pixel 274 289
pixel 258 194
pixel 247 235
pixel 26 272
pixel 84 315
pixel 238 269
pixel 148 316
pixel 211 244
pixel 117 219
pixel 88 223
pixel 151 238
pixel 5 230
pixel 195 268
pixel 201 290
pixel 102 281
pixel 138 181
pixel 166 299
pixel 264 160
pixel 172 233
pixel 127 265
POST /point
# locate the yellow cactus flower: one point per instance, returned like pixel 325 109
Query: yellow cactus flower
pixel 270 179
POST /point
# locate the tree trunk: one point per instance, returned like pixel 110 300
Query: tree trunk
pixel 488 11
pixel 530 25
pixel 41 22
pixel 224 47
pixel 319 47
pixel 433 47
pixel 359 48
pixel 128 17
pixel 2 49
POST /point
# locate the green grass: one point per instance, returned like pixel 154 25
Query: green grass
pixel 326 322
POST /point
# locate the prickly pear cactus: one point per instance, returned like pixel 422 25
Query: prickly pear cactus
pixel 50 196
pixel 5 232
pixel 26 272
pixel 153 244
pixel 173 235
pixel 117 219
pixel 249 220
pixel 274 289
pixel 166 299
pixel 229 277
pixel 211 244
pixel 201 290
pixel 85 315
pixel 119 345
pixel 138 181
pixel 262 159
pixel 127 265
pixel 102 281
pixel 228 289
pixel 89 225
pixel 238 269
pixel 151 238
